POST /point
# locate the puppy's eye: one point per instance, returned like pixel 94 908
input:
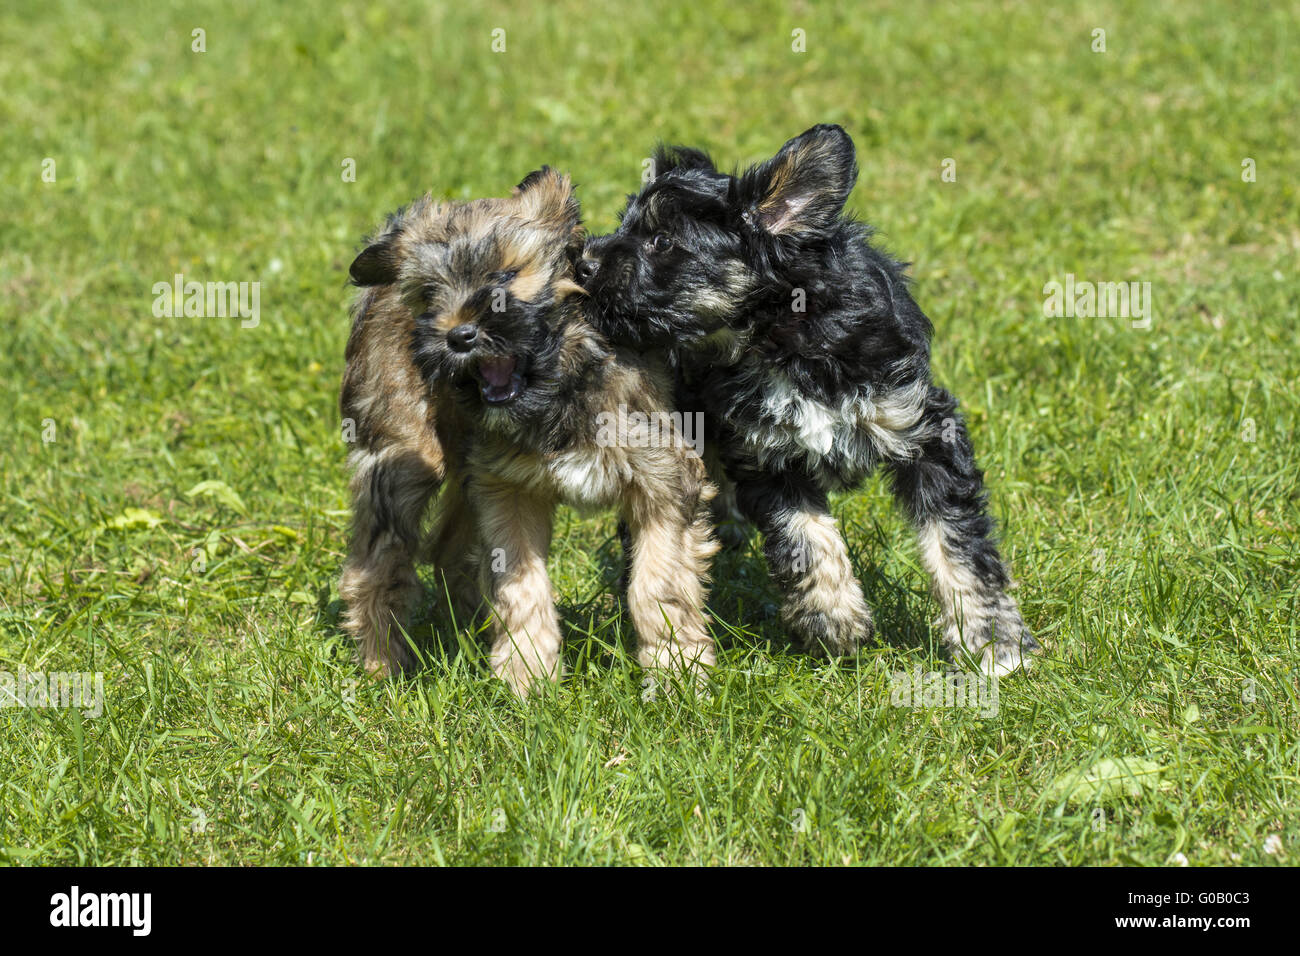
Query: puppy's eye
pixel 502 277
pixel 661 242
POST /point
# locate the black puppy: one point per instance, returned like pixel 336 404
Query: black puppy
pixel 804 347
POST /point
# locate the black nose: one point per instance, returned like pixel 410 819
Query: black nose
pixel 587 269
pixel 461 338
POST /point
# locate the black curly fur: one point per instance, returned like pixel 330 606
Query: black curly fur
pixel 781 317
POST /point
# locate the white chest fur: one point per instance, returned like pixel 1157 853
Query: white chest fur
pixel 801 420
pixel 862 426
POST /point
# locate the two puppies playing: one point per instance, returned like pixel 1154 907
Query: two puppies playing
pixel 489 337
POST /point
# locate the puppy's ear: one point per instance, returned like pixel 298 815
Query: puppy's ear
pixel 533 178
pixel 804 186
pixel 375 265
pixel 378 262
pixel 548 195
pixel 667 158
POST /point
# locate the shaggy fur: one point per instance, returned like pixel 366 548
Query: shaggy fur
pixel 803 345
pixel 472 369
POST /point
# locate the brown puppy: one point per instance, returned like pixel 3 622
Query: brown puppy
pixel 472 368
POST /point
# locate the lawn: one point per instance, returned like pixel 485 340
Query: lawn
pixel 173 490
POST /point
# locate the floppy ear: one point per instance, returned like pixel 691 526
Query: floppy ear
pixel 377 264
pixel 804 186
pixel 667 158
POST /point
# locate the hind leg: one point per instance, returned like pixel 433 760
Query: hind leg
pixel 390 492
pixel 728 520
pixel 943 492
pixel 453 549
pixel 824 607
pixel 671 545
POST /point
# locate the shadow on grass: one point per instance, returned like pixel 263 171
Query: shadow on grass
pixel 745 604
pixel 744 607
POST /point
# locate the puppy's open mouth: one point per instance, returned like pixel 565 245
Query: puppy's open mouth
pixel 500 379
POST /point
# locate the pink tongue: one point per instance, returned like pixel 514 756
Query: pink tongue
pixel 497 371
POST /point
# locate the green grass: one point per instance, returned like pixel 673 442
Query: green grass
pixel 1155 546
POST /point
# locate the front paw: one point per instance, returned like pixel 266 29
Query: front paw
pixel 836 632
pixel 1004 644
pixel 524 675
pixel 389 657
